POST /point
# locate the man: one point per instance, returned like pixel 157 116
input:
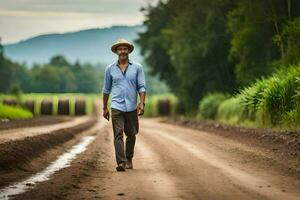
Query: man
pixel 124 79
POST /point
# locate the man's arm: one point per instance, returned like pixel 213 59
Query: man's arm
pixel 141 105
pixel 106 91
pixel 105 109
pixel 105 100
pixel 141 85
pixel 142 97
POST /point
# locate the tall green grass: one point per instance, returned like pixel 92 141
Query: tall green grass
pixel 249 99
pixel 279 97
pixel 269 102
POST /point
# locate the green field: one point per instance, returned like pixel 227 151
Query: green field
pixel 151 108
pixel 9 112
pixel 54 97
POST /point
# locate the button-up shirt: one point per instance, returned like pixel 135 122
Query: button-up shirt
pixel 124 86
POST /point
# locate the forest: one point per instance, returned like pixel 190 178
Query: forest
pixel 205 46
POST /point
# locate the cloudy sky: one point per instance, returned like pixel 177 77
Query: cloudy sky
pixel 21 19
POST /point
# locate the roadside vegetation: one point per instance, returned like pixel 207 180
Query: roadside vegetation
pixel 11 112
pixel 269 102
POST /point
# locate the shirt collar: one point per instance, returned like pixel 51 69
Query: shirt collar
pixel 129 62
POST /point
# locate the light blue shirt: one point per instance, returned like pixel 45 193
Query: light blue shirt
pixel 124 86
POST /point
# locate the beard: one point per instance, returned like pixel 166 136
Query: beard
pixel 123 56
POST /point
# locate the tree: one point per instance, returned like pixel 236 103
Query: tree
pixel 5 74
pixel 12 73
pixel 59 61
pixel 153 45
pixel 254 26
pixel 199 50
pixel 289 43
pixel 186 43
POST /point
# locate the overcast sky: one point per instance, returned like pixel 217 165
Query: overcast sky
pixel 21 19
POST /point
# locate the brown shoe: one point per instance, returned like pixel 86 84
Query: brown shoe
pixel 121 167
pixel 129 165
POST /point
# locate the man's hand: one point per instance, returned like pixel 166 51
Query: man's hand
pixel 106 113
pixel 140 108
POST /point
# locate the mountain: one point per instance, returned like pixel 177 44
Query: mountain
pixel 92 45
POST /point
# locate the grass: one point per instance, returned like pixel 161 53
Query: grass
pixel 54 97
pixel 151 108
pixel 10 112
pixel 269 102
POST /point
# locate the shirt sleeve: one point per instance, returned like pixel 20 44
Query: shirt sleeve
pixel 107 82
pixel 141 83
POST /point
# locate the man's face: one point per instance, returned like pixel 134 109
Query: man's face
pixel 122 52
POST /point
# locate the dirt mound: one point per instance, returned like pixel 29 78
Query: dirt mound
pixel 16 154
pixel 37 121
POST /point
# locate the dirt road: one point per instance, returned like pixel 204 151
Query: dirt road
pixel 171 162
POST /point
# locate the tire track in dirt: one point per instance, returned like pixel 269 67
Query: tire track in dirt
pixel 21 158
pixel 32 122
pixel 194 179
pixel 20 133
pixel 147 180
pixel 199 146
pixel 69 181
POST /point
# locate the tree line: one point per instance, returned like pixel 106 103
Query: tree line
pixel 58 75
pixel 61 76
pixel 204 46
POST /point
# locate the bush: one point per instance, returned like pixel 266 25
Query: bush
pixel 230 111
pixel 208 106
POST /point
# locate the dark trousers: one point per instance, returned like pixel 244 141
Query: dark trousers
pixel 126 122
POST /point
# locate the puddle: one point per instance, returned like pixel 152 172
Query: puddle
pixel 62 161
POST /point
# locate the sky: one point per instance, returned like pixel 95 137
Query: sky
pixel 22 19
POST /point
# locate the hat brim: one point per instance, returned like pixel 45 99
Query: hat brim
pixel 115 46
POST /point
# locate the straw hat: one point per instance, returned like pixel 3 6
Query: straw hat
pixel 122 42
